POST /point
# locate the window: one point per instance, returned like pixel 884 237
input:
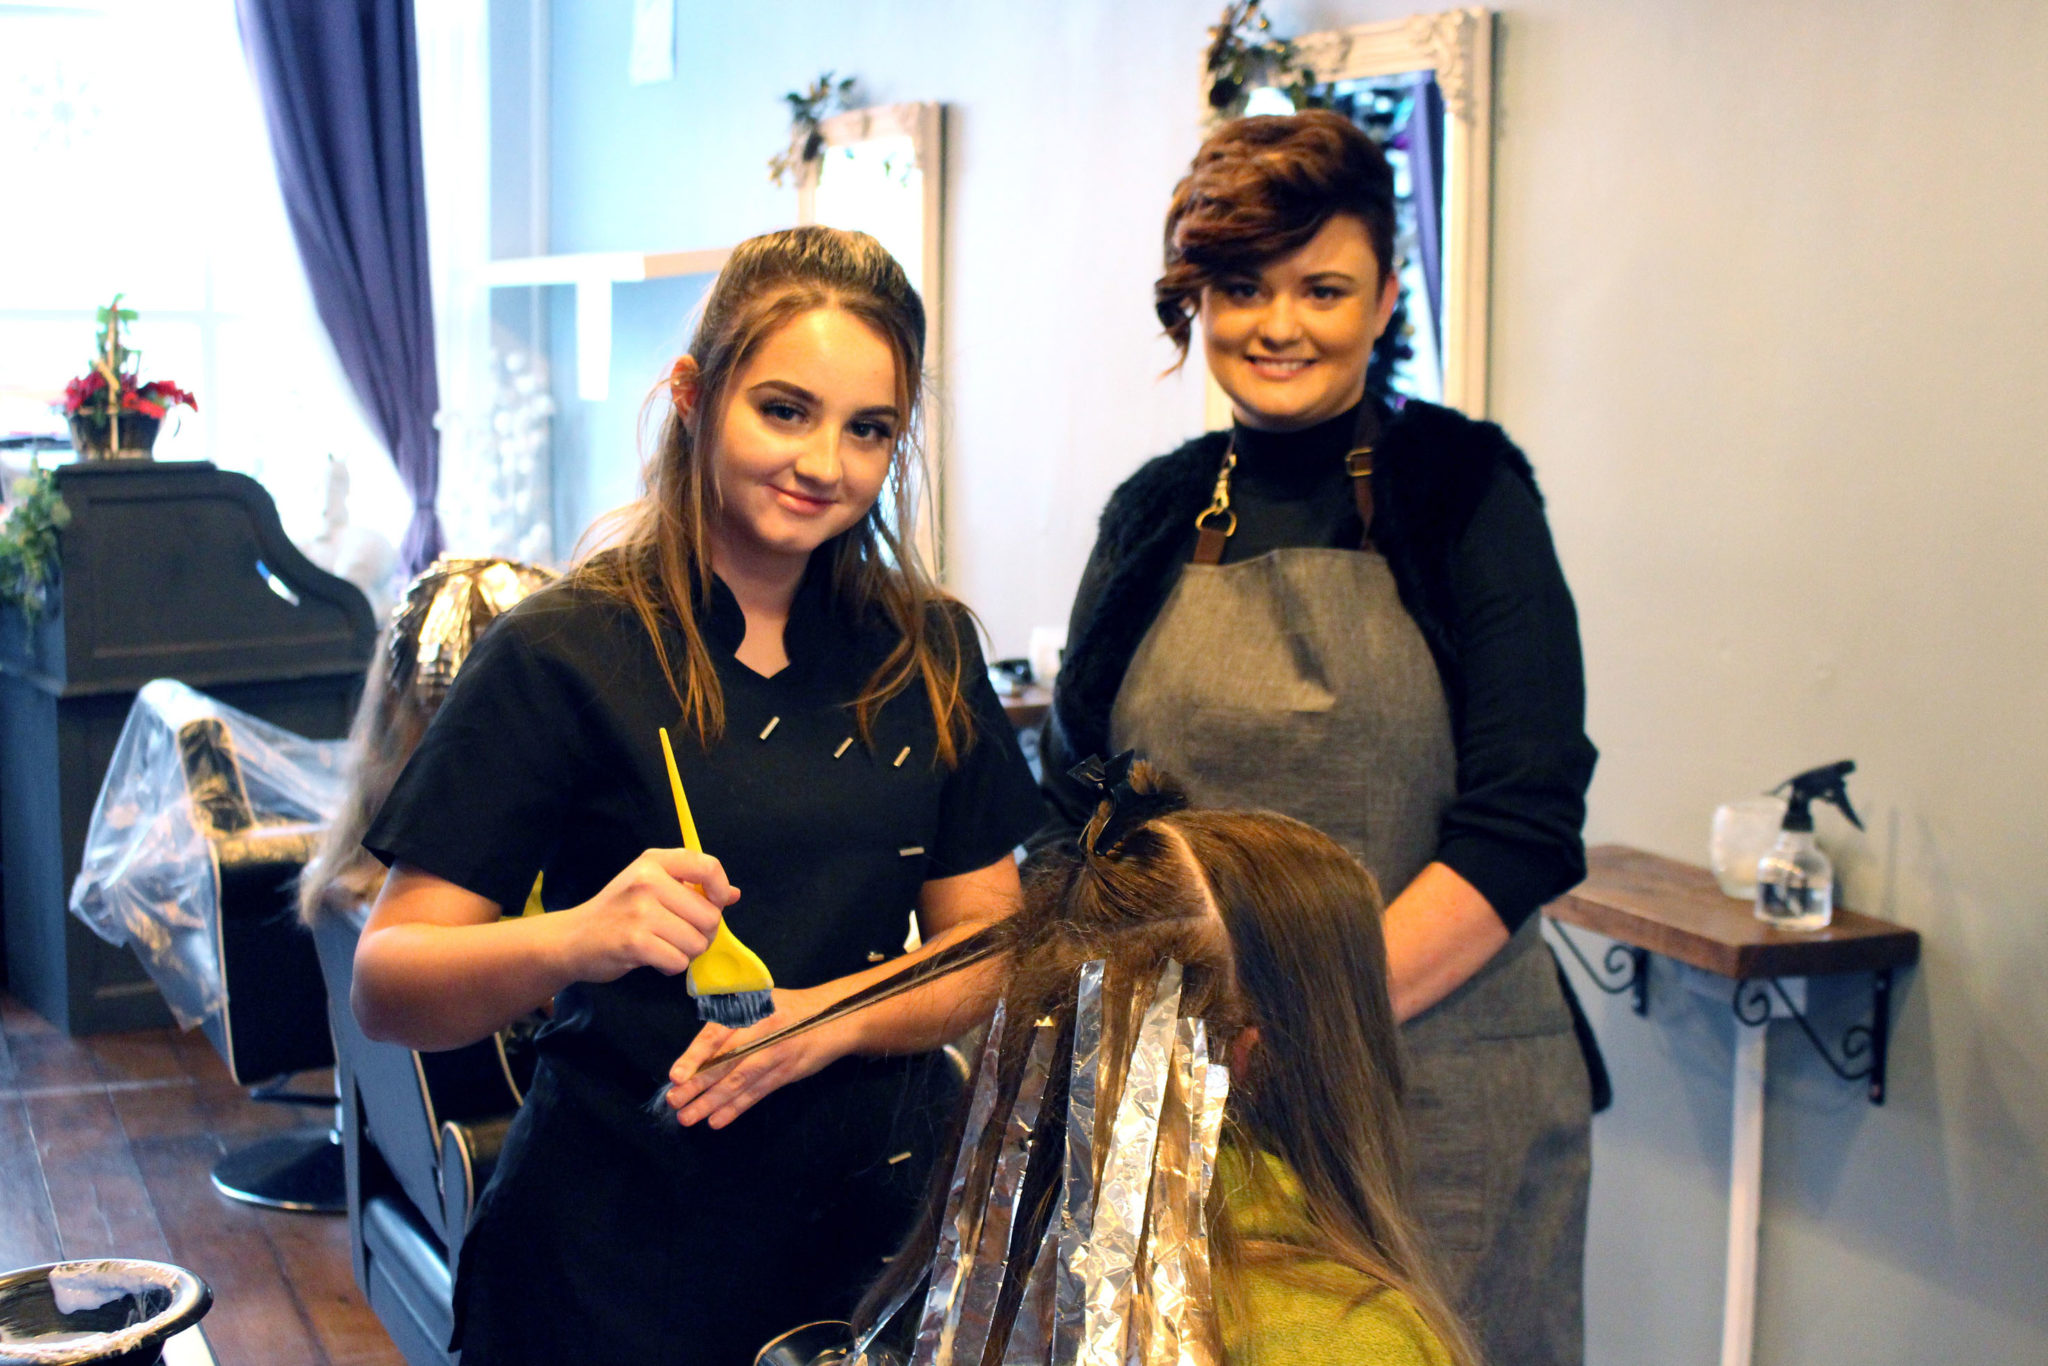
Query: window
pixel 135 159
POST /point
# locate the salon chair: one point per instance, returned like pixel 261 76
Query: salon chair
pixel 420 1134
pixel 246 971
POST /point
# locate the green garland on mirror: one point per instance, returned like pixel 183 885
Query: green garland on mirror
pixel 28 542
pixel 1244 55
pixel 807 109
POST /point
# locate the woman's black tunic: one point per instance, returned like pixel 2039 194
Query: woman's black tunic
pixel 606 1234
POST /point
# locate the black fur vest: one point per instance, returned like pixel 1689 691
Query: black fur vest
pixel 1431 467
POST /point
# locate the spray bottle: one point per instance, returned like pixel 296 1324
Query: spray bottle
pixel 1795 882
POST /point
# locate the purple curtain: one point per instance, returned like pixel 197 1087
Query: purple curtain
pixel 1426 173
pixel 339 82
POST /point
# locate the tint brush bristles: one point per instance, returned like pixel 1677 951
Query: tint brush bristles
pixel 736 1009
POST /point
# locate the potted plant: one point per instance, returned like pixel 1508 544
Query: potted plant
pixel 28 543
pixel 114 413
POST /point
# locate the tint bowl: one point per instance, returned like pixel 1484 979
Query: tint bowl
pixel 822 1344
pixel 128 1329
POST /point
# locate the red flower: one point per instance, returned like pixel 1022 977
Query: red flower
pixel 87 393
pixel 164 392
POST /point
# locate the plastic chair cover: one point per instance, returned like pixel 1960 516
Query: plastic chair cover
pixel 195 785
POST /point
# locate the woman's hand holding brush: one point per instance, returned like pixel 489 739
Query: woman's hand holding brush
pixel 659 912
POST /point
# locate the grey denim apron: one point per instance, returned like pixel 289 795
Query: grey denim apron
pixel 1297 682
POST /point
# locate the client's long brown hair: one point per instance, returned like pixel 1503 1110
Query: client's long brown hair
pixel 1293 948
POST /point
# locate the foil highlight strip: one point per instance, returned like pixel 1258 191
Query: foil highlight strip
pixel 957 1228
pixel 1031 1331
pixel 1109 1261
pixel 1077 1196
pixel 965 1337
pixel 1202 1338
pixel 1160 1317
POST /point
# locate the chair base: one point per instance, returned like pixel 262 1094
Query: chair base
pixel 302 1172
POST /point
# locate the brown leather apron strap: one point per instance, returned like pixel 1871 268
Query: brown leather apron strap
pixel 1358 464
pixel 1216 522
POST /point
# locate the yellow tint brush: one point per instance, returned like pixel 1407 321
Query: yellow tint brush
pixel 729 982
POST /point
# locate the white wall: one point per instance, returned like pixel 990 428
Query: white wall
pixel 1768 297
pixel 1057 113
pixel 1769 290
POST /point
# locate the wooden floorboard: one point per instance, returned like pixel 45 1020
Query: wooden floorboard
pixel 106 1147
pixel 317 1252
pixel 255 1316
pixel 95 1187
pixel 28 1227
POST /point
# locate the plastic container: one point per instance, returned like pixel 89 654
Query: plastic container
pixel 1744 832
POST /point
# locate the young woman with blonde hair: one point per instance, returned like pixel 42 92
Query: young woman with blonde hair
pixel 848 766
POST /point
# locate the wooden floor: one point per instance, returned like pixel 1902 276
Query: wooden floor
pixel 105 1146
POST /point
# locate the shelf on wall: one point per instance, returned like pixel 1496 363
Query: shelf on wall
pixel 593 273
pixel 1649 904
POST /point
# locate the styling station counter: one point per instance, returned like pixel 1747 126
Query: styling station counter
pixel 1649 904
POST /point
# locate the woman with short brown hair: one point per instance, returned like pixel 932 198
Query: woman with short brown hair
pixel 1351 612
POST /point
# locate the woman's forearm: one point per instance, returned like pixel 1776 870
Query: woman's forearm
pixel 434 986
pixel 438 968
pixel 925 1017
pixel 1440 931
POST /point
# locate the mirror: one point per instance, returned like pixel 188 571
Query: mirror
pixel 1423 88
pixel 882 171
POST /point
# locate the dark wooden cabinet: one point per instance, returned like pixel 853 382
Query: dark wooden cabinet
pixel 168 570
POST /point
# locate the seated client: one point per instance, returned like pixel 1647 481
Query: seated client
pixel 1086 1204
pixel 444 613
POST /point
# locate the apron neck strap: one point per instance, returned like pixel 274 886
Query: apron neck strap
pixel 1216 523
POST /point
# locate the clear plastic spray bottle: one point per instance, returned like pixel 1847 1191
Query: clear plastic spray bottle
pixel 1795 882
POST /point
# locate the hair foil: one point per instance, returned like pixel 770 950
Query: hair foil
pixel 1077 1197
pixel 1030 1341
pixel 961 1222
pixel 1110 1259
pixel 1202 1337
pixel 1161 1314
pixel 446 609
pixel 965 1336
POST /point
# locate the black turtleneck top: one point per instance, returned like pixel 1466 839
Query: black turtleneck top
pixel 1290 489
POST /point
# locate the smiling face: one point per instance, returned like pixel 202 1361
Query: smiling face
pixel 1290 344
pixel 803 448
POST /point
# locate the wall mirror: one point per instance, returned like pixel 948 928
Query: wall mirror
pixel 882 171
pixel 1423 88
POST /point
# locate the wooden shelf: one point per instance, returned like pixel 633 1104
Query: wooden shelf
pixel 593 273
pixel 609 266
pixel 1678 910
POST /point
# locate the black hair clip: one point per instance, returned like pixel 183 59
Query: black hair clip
pixel 1128 807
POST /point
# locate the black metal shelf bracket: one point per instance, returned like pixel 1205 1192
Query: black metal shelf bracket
pixel 1627 969
pixel 1866 1043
